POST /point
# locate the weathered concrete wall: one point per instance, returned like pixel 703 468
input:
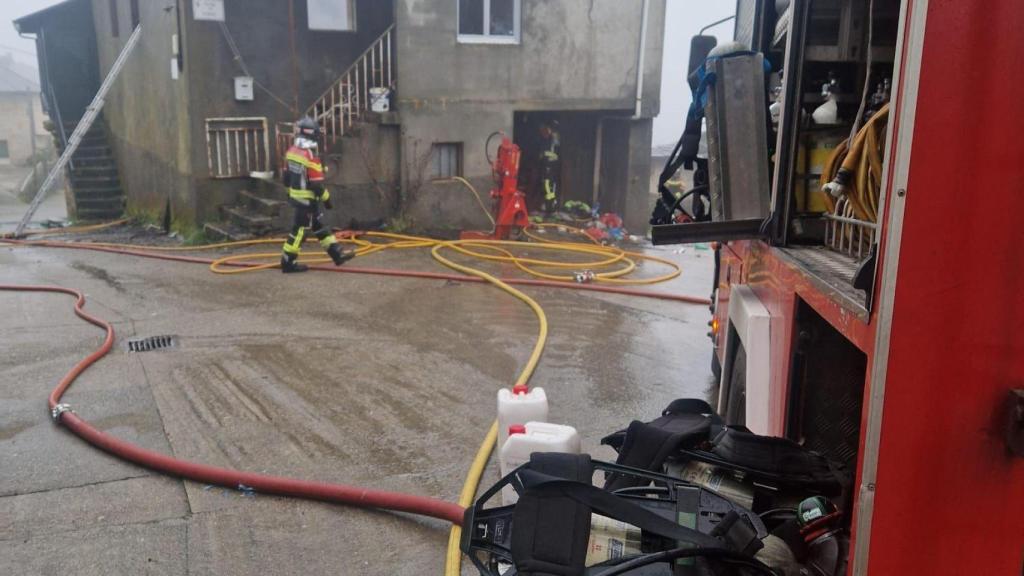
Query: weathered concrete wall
pixel 260 31
pixel 625 180
pixel 435 206
pixel 147 111
pixel 158 124
pixel 573 55
pixel 16 124
pixel 362 175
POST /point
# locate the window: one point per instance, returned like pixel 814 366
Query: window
pixel 115 27
pixel 135 13
pixel 332 15
pixel 489 21
pixel 5 153
pixel 446 160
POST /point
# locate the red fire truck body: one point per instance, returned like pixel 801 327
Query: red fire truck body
pixel 920 374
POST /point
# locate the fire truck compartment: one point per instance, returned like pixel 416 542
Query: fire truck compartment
pixel 832 272
pixel 826 388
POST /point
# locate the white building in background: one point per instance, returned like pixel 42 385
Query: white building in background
pixel 21 113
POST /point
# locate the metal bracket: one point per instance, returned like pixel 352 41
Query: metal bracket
pixel 1015 422
pixel 59 410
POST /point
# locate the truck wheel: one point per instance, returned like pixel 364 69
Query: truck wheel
pixel 716 367
pixel 736 408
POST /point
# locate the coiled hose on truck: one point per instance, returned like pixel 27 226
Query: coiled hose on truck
pixel 851 180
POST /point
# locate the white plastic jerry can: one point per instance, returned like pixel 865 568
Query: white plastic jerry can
pixel 519 406
pixel 524 440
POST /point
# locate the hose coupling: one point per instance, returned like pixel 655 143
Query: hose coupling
pixel 584 276
pixel 59 410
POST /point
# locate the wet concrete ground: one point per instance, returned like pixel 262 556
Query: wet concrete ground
pixel 385 382
pixel 52 207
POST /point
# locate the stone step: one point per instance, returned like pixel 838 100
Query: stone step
pixel 90 139
pixel 93 181
pixel 93 152
pixel 225 232
pixel 262 206
pixel 94 171
pixel 99 194
pixel 246 220
pixel 70 125
pixel 97 162
pixel 94 190
pixel 87 214
pixel 110 204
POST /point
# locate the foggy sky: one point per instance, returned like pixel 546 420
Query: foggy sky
pixel 683 20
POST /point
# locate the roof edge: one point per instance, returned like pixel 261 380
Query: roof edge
pixel 31 23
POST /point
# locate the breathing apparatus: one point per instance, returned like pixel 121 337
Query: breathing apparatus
pixel 561 519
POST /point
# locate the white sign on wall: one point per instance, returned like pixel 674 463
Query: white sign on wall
pixel 208 10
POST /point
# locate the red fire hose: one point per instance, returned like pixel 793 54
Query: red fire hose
pixel 235 479
pixel 376 271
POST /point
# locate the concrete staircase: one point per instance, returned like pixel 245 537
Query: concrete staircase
pixel 261 208
pixel 95 182
pixel 260 211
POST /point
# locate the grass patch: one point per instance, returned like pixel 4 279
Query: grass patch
pixel 196 237
pixel 399 224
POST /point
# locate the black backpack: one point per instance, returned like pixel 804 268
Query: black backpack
pixel 688 429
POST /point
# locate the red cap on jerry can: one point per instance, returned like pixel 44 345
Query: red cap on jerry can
pixel 516 429
pixel 520 389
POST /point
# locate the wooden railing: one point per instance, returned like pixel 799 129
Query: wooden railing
pixel 237 147
pixel 349 98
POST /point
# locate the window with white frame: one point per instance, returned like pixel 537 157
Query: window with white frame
pixel 446 160
pixel 494 21
pixel 332 15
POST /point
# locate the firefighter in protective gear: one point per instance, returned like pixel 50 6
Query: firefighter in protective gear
pixel 304 178
pixel 549 166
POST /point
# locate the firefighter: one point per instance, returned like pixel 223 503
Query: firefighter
pixel 549 166
pixel 304 177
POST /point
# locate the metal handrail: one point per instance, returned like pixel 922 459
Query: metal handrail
pixel 854 221
pixel 343 104
pixel 849 235
pixel 53 99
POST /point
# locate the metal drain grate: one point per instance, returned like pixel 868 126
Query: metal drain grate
pixel 151 343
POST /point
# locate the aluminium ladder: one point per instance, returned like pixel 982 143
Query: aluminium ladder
pixel 91 112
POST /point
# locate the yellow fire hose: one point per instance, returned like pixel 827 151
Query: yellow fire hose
pixel 615 262
pixel 862 161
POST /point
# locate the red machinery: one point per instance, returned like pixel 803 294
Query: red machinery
pixel 509 201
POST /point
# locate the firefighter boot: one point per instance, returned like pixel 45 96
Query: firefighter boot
pixel 289 265
pixel 339 254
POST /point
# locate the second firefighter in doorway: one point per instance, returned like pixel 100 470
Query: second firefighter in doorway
pixel 304 177
pixel 549 166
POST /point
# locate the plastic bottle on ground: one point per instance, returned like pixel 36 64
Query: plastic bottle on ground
pixel 519 406
pixel 524 440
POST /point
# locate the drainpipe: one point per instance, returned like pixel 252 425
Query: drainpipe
pixel 640 60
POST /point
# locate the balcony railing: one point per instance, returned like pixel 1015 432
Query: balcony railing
pixel 347 100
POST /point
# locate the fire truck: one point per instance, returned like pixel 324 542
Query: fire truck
pixel 873 310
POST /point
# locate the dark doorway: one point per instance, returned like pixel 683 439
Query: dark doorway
pixel 577 152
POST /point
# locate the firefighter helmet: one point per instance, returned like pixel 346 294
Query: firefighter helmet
pixel 307 128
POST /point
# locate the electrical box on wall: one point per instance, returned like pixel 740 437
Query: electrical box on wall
pixel 243 89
